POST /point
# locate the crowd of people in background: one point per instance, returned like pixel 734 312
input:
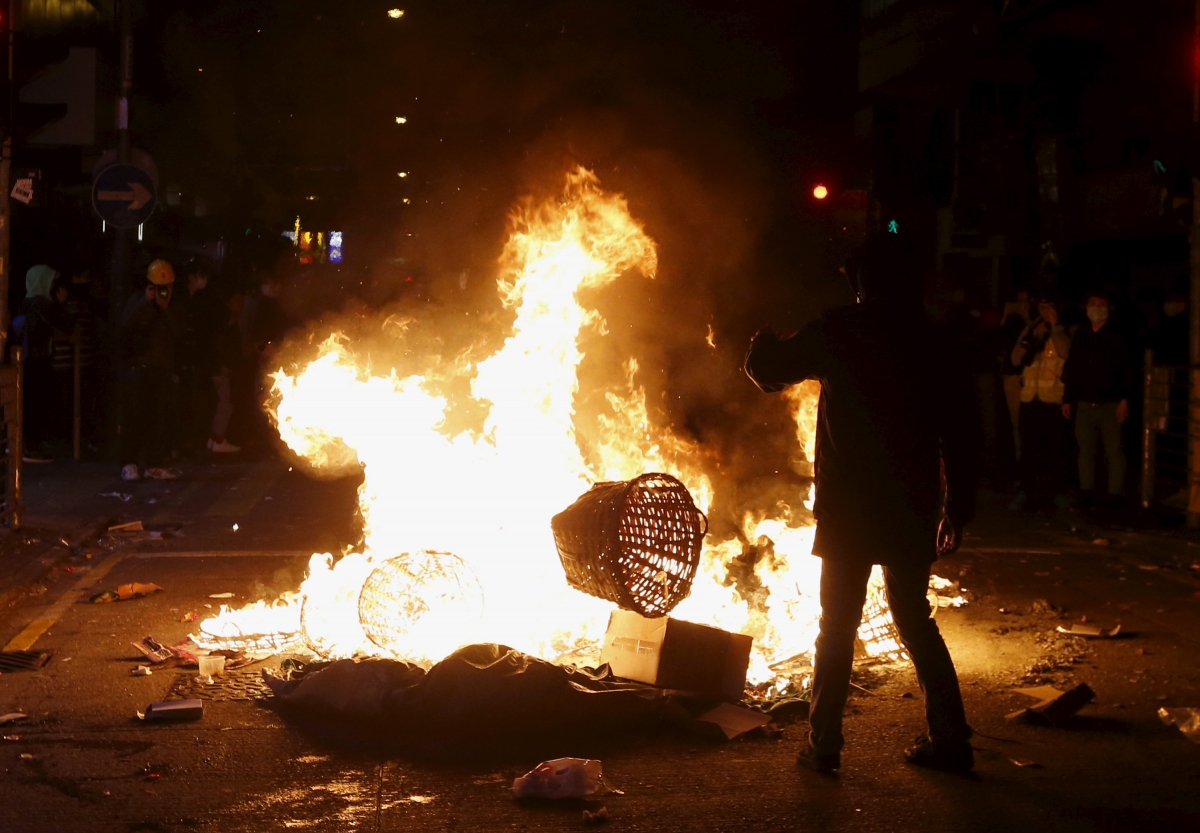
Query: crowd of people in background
pixel 181 367
pixel 1067 375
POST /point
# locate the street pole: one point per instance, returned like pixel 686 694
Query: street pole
pixel 5 183
pixel 119 263
pixel 1193 512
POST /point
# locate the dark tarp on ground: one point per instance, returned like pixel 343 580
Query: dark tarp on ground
pixel 478 693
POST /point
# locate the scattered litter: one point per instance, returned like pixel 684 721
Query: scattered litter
pixel 1089 631
pixel 121 496
pixel 235 527
pixel 728 721
pixel 561 778
pixel 220 595
pixel 156 534
pixel 126 592
pixel 130 526
pixel 1147 566
pixel 190 616
pixel 11 737
pixel 599 817
pixel 173 710
pixel 1026 764
pixel 159 653
pixel 26 756
pixel 141 671
pixel 1187 720
pixel 1054 707
pixel 1101 542
pixel 11 717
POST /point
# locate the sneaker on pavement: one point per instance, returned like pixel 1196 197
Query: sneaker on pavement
pixel 955 757
pixel 223 447
pixel 162 474
pixel 823 762
pixel 130 472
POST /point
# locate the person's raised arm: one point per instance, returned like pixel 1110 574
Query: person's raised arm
pixel 776 362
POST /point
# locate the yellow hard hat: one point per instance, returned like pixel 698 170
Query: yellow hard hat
pixel 160 273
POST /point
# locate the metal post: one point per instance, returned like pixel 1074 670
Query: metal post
pixel 1193 423
pixel 16 445
pixel 77 399
pixel 6 154
pixel 119 264
pixel 1148 434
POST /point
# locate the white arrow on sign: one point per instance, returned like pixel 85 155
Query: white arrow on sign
pixel 137 196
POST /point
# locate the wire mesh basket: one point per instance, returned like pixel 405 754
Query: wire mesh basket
pixel 635 543
pixel 420 603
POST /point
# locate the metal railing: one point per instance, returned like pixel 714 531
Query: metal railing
pixel 1165 434
pixel 12 396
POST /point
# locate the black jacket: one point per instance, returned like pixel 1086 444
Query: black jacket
pixel 1098 369
pixel 895 412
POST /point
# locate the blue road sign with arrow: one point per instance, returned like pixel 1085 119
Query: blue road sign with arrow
pixel 123 195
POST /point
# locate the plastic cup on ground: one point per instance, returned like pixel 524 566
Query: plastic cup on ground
pixel 209 667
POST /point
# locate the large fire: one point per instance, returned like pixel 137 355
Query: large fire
pixel 488 496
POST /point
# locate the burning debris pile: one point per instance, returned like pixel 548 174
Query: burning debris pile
pixel 457 543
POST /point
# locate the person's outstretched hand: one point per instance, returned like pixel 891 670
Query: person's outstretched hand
pixel 949 536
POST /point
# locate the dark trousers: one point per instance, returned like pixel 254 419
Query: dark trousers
pixel 843 592
pixel 1045 440
pixel 1099 418
pixel 148 397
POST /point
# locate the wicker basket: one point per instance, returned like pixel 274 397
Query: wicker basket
pixel 635 543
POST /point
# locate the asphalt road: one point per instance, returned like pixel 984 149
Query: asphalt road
pixel 81 761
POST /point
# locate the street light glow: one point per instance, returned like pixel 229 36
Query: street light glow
pixel 402 174
pixel 395 14
pixel 820 192
pixel 401 120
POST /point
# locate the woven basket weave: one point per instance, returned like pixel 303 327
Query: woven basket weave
pixel 635 543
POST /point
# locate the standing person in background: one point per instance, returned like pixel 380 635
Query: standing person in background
pixel 151 329
pixel 1016 319
pixel 1097 379
pixel 1041 352
pixel 202 315
pixel 35 331
pixel 86 310
pixel 63 355
pixel 227 344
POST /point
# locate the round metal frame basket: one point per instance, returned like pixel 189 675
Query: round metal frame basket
pixel 635 543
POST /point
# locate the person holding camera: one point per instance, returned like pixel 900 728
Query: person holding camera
pixel 1041 351
pixel 151 329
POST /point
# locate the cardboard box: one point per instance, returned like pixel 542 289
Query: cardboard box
pixel 672 654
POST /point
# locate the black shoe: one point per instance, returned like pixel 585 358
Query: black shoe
pixel 956 757
pixel 823 762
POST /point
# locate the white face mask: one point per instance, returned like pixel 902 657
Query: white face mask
pixel 1097 314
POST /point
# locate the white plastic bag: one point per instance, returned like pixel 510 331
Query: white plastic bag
pixel 1187 719
pixel 561 778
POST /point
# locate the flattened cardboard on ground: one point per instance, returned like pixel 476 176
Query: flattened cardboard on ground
pixel 1054 707
pixel 1089 631
pixel 672 654
pixel 728 721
